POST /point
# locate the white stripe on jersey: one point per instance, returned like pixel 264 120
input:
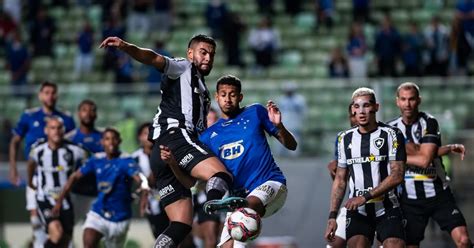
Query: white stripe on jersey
pixel 187 99
pixel 156 125
pixel 188 139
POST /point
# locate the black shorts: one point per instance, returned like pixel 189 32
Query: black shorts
pixel 188 152
pixel 389 225
pixel 442 208
pixel 158 223
pixel 66 217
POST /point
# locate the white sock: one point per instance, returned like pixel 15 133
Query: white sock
pixel 239 244
pixel 39 234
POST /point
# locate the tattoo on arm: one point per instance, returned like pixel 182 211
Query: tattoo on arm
pixel 395 178
pixel 338 189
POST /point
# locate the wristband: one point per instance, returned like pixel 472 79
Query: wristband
pixel 333 215
pixel 367 196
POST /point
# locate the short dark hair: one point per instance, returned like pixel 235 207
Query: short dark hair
pixel 87 102
pixel 202 38
pixel 48 84
pixel 111 130
pixel 229 80
pixel 142 126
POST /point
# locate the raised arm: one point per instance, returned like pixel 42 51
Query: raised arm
pixel 442 151
pixel 284 136
pixel 143 55
pixel 424 155
pixel 12 154
pixel 186 180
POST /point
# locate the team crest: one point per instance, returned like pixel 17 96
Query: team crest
pixel 378 143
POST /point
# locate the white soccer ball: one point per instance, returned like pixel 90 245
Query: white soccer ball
pixel 244 224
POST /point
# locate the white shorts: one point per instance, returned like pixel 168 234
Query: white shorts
pixel 341 223
pixel 30 199
pixel 82 204
pixel 273 196
pixel 115 233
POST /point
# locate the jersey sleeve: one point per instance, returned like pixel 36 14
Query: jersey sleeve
pixel 33 155
pixel 341 153
pixel 396 145
pixel 262 114
pixel 432 133
pixel 336 142
pixel 130 167
pixel 88 167
pixel 204 138
pixel 175 67
pixel 21 127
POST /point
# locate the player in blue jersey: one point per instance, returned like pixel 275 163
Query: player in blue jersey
pixel 238 139
pixel 110 215
pixel 85 190
pixel 31 128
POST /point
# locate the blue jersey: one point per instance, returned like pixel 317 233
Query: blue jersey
pixel 114 184
pixel 240 143
pixel 32 122
pixel 89 141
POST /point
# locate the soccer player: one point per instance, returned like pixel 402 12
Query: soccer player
pixel 425 192
pixel 53 161
pixel 154 213
pixel 240 142
pixel 180 117
pixel 31 128
pixel 110 215
pixel 340 234
pixel 373 155
pixel 89 137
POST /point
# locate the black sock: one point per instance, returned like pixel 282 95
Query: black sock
pixel 176 231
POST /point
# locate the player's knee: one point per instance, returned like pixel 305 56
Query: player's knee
pixel 219 181
pixel 173 235
pixel 393 242
pixel 55 231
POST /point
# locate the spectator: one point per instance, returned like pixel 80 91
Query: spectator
pixel 437 38
pixel 324 13
pixel 292 7
pixel 266 7
pixel 154 75
pixel 338 67
pixel 139 19
pixel 387 48
pixel 113 27
pixel 18 62
pixel 361 11
pixel 117 8
pixel 294 109
pixel 412 49
pixel 356 49
pixel 163 17
pixel 42 32
pixel 84 56
pixel 459 48
pixel 216 14
pixel 7 27
pixel 264 42
pixel 232 30
pixel 13 8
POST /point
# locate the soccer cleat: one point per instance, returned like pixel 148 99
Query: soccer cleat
pixel 228 204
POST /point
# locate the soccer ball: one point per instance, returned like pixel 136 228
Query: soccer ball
pixel 244 224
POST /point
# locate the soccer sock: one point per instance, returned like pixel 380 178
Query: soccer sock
pixel 173 235
pixel 238 244
pixel 218 185
pixel 39 234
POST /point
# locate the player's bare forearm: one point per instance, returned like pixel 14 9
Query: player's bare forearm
pixel 67 188
pixel 338 189
pixel 332 168
pixel 144 55
pixel 395 178
pixel 286 138
pixel 12 152
pixel 423 156
pixel 31 167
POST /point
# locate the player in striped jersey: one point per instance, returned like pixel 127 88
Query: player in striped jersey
pixel 179 119
pixel 54 160
pixel 426 193
pixel 373 156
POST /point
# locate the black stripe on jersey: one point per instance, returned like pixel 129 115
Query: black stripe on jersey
pixel 195 94
pixel 70 154
pixel 40 163
pixel 367 169
pixel 384 167
pixel 55 164
pixel 409 132
pixel 347 141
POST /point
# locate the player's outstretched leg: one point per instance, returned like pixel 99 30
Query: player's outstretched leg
pixel 228 204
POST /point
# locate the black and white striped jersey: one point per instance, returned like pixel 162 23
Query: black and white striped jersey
pixel 422 183
pixel 185 99
pixel 367 157
pixel 54 167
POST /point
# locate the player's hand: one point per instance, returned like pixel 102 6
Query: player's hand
pixel 14 177
pixel 459 148
pixel 166 155
pixel 330 230
pixel 274 113
pixel 355 202
pixel 112 42
pixel 56 209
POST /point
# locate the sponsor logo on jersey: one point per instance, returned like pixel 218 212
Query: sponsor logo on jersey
pixel 267 189
pixel 104 187
pixel 378 143
pixel 232 150
pixel 420 174
pixel 185 161
pixel 166 191
pixel 361 192
pixel 371 158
